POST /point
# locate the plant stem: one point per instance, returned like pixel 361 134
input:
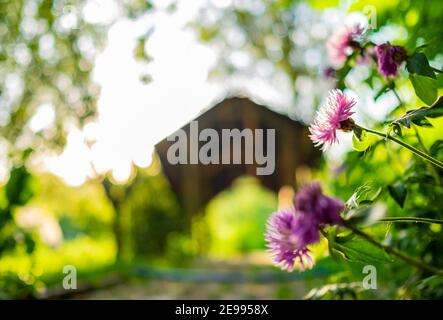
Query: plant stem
pixel 431 168
pixel 412 219
pixel 437 70
pixel 397 95
pixel 412 261
pixel 407 146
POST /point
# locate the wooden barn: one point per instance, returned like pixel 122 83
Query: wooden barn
pixel 196 184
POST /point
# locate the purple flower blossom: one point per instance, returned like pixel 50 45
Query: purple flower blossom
pixel 290 231
pixel 329 73
pixel 340 45
pixel 305 229
pixel 311 202
pixel 332 116
pixel 389 58
pixel 284 234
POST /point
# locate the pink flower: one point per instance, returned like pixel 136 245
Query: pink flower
pixel 340 45
pixel 290 231
pixel 332 116
pixel 285 232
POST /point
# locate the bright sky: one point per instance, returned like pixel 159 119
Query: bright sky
pixel 132 116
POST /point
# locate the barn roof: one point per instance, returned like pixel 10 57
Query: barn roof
pixel 196 184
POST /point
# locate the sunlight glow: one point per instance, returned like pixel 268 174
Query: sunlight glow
pixel 73 165
pixel 43 118
pixel 133 116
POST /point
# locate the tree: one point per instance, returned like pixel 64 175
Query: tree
pixel 47 54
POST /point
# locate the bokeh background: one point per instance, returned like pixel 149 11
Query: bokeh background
pixel 88 87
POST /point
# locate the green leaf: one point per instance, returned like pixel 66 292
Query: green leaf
pixel 335 291
pixel 29 243
pixel 363 195
pixel 396 128
pixel 359 250
pixel 323 4
pixel 382 91
pixel 418 116
pixel 18 188
pixel 331 235
pixel 207 34
pixel 421 47
pixel 419 64
pixel 366 215
pixel 440 80
pixel 398 192
pixel 140 51
pixel 425 88
pixel 5 217
pixel 341 76
pixel 428 288
pixel 362 143
pixel 436 147
pixel 342 239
